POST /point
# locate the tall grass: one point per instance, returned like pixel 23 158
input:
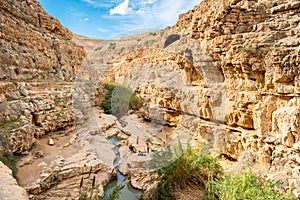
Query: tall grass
pixel 247 186
pixel 186 168
pixel 193 168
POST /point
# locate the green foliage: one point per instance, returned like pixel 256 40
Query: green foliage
pixel 6 156
pixel 9 160
pixel 112 46
pixel 146 43
pixel 118 99
pixel 183 168
pixel 7 126
pixel 98 48
pixel 247 186
pixel 135 102
pixel 115 194
pixel 194 167
pixel 152 33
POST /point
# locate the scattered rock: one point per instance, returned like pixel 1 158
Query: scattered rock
pixel 50 142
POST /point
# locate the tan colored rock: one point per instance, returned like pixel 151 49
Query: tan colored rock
pixel 231 79
pixel 38 60
pixel 286 121
pixel 9 188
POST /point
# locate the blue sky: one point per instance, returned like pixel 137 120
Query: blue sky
pixel 112 19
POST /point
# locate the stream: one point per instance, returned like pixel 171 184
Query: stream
pixel 127 192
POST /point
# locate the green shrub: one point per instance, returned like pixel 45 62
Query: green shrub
pixel 98 48
pixel 190 168
pixel 112 46
pixel 247 186
pixel 183 169
pixel 118 99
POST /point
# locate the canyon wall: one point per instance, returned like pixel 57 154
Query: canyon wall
pixel 256 46
pixel 226 74
pixel 38 62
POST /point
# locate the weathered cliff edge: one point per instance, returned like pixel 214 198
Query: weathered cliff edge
pixel 38 63
pixel 9 187
pixel 226 74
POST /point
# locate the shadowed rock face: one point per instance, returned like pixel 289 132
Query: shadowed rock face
pixel 38 65
pixel 38 61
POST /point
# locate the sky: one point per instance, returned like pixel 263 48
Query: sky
pixel 116 18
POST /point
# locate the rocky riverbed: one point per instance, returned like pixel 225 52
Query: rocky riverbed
pixel 51 171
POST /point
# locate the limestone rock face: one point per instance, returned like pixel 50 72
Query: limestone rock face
pixel 226 74
pixel 256 44
pixel 10 190
pixel 38 62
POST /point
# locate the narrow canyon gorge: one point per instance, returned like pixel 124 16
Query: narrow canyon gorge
pixel 226 76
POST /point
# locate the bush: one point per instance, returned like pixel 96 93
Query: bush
pixel 98 48
pixel 112 46
pixel 118 99
pixel 186 168
pixel 194 168
pixel 247 186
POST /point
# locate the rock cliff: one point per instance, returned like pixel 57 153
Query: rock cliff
pixel 255 45
pixel 38 64
pixel 227 74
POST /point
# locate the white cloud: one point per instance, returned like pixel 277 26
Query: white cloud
pixel 96 4
pixel 149 14
pixel 85 20
pixel 149 2
pixel 102 30
pixel 121 9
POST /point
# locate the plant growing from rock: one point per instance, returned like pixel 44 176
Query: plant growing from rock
pixel 9 160
pixel 118 99
pixel 194 169
pixel 188 168
pixel 6 156
pixel 112 46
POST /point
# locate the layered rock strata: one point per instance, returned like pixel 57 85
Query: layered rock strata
pixel 245 58
pixel 38 64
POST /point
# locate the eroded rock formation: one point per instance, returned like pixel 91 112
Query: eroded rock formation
pixel 226 74
pixel 38 64
pixel 256 45
pixel 245 58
